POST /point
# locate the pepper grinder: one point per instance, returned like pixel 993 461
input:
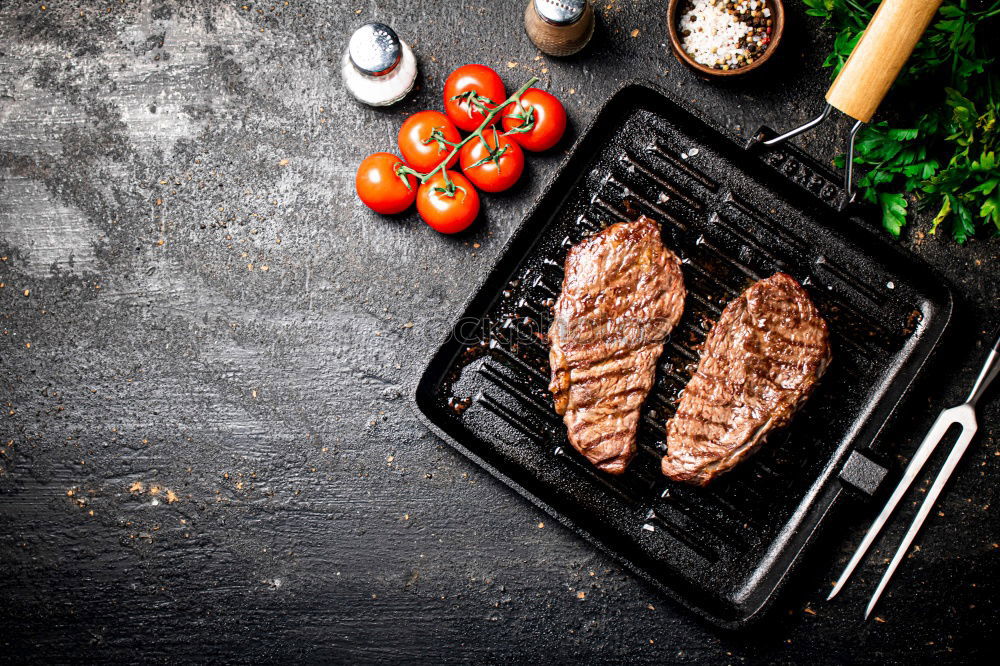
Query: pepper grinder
pixel 559 27
pixel 379 68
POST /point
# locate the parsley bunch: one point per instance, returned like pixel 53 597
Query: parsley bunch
pixel 942 151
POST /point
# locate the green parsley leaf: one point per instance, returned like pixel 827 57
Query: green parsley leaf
pixel 942 152
pixel 893 212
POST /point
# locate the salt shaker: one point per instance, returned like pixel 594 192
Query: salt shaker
pixel 378 67
pixel 559 27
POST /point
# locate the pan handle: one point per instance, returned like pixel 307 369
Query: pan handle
pixel 879 56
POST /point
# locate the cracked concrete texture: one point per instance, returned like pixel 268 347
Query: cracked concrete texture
pixel 203 316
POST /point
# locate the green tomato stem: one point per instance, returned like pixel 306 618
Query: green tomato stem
pixel 424 177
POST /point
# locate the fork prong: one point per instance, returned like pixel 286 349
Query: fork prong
pixel 944 420
pixel 968 430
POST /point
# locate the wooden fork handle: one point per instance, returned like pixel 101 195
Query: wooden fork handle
pixel 879 56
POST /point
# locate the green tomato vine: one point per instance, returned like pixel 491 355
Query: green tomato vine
pixel 437 136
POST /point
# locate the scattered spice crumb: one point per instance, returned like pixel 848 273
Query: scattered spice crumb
pixel 136 487
pixel 408 324
pixel 511 65
pixel 541 525
pixel 171 497
pixel 27 292
pixel 284 162
pixel 810 611
pixel 878 619
pixel 650 607
pixel 581 595
pixel 635 33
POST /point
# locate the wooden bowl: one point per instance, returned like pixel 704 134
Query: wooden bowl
pixel 777 30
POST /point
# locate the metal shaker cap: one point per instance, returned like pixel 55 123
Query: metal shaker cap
pixel 375 49
pixel 560 12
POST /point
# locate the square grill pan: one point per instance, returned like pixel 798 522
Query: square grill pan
pixel 733 217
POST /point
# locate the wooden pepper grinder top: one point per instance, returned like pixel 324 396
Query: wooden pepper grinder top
pixel 559 27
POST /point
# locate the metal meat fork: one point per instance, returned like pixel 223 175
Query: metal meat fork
pixel 964 416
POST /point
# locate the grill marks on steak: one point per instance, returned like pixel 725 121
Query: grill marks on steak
pixel 758 365
pixel 622 294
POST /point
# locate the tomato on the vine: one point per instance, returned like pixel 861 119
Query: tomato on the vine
pixel 493 163
pixel 470 89
pixel 381 188
pixel 424 139
pixel 545 111
pixel 448 209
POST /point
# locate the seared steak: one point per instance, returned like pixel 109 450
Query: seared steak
pixel 622 294
pixel 758 365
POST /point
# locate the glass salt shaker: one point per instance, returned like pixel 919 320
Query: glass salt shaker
pixel 559 27
pixel 378 67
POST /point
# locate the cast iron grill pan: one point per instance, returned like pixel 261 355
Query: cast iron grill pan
pixel 733 217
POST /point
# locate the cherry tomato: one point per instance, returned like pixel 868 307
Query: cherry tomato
pixel 549 116
pixel 467 78
pixel 444 212
pixel 418 148
pixel 496 174
pixel 380 188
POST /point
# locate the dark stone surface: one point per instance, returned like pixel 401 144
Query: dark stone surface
pixel 206 452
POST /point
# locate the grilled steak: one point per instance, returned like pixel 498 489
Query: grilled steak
pixel 758 365
pixel 622 294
